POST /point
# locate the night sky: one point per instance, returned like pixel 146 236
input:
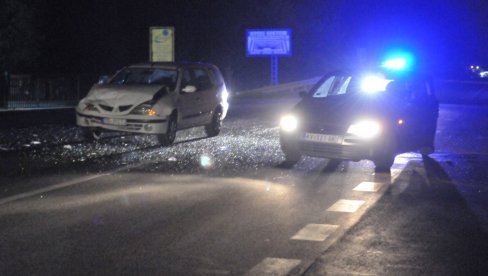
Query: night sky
pixel 101 36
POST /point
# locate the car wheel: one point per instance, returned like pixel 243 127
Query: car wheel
pixel 384 164
pixel 213 129
pixel 425 151
pixel 91 134
pixel 292 155
pixel 291 158
pixel 428 144
pixel 385 157
pixel 168 138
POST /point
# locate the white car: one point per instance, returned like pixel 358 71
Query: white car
pixel 155 98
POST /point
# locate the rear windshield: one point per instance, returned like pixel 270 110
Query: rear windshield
pixel 155 76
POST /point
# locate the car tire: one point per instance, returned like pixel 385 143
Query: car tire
pixel 167 139
pixel 425 151
pixel 385 157
pixel 213 129
pixel 292 156
pixel 91 134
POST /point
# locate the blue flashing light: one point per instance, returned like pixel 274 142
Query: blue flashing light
pixel 395 64
pixel 398 61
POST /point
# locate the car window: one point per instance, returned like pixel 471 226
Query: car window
pixel 215 76
pixel 165 77
pixel 202 79
pixel 186 78
pixel 342 85
pixel 335 85
pixel 131 76
pixel 197 77
pixel 323 89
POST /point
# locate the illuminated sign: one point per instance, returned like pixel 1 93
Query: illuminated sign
pixel 161 44
pixel 270 42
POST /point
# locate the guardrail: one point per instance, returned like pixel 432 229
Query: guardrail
pixel 46 91
pixel 288 89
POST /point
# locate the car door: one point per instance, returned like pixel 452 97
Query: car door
pixel 189 102
pixel 207 94
pixel 419 114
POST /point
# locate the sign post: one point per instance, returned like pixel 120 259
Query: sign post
pixel 269 42
pixel 162 44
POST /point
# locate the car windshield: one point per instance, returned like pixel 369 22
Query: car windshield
pixel 334 85
pixel 157 76
pixel 337 85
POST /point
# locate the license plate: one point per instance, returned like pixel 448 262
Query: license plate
pixel 114 121
pixel 323 138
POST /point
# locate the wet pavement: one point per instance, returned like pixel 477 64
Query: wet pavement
pixel 224 206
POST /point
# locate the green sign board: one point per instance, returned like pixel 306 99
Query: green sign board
pixel 162 44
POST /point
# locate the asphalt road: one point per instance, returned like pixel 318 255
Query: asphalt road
pixel 225 205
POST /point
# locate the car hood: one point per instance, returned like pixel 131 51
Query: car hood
pixel 341 110
pixel 117 95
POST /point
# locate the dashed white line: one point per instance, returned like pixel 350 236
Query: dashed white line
pixel 315 232
pixel 346 206
pixel 274 266
pixel 368 187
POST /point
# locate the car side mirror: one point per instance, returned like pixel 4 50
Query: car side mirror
pixel 103 79
pixel 302 94
pixel 189 89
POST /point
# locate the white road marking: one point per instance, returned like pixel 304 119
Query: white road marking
pixel 368 187
pixel 274 266
pixel 315 232
pixel 346 206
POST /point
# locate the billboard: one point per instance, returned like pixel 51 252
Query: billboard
pixel 162 44
pixel 268 42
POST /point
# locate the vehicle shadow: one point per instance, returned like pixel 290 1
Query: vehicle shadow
pixel 421 225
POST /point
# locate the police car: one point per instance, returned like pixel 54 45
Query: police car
pixel 356 115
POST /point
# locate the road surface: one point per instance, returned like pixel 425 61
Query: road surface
pixel 226 206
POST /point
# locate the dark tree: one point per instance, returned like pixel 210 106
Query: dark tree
pixel 20 38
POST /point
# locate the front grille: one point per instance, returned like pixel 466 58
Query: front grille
pixel 106 107
pixel 328 129
pixel 325 150
pixel 131 127
pixel 123 108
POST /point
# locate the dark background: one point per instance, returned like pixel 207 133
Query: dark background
pixel 100 36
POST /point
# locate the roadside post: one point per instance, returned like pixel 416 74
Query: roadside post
pixel 269 43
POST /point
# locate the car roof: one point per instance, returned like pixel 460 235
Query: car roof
pixel 172 65
pixel 392 74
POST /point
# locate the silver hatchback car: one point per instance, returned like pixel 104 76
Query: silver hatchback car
pixel 155 98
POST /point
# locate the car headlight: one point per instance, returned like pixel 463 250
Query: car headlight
pixel 366 129
pixel 144 109
pixel 374 84
pixel 90 107
pixel 289 123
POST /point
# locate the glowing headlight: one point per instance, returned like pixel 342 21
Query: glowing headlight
pixel 373 84
pixel 365 129
pixel 289 123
